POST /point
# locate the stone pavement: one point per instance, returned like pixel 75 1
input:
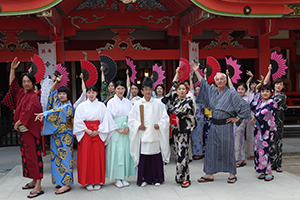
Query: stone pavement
pixel 284 186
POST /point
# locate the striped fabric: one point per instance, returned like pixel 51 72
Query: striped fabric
pixel 219 152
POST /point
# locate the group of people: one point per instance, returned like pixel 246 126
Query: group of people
pixel 123 136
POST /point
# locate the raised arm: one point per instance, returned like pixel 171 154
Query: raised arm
pixel 127 79
pixel 176 77
pixel 191 82
pixel 102 74
pixel 268 75
pixel 260 83
pixel 205 72
pixel 249 73
pixel 55 82
pixel 13 66
pixel 195 69
pixel 229 79
pixel 83 87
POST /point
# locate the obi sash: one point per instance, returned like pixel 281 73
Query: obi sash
pixel 218 121
pixel 174 119
pixel 93 125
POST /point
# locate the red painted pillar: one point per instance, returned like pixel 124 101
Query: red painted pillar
pixel 57 37
pixel 185 45
pixel 264 47
pixel 292 71
pixel 293 58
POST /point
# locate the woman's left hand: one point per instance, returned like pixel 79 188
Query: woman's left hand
pixel 125 131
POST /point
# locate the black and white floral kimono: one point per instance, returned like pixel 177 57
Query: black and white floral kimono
pixel 276 146
pixel 185 111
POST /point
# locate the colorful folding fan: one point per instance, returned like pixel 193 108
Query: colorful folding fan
pixel 158 75
pixel 131 68
pixel 109 67
pixel 234 67
pixel 62 70
pixel 279 65
pixel 90 73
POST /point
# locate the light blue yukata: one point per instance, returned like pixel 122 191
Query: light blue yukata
pixel 58 123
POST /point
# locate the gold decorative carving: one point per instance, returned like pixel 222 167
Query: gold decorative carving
pixel 162 20
pixel 46 13
pixel 12 42
pixel 224 41
pixel 123 42
pixel 295 13
pixel 84 20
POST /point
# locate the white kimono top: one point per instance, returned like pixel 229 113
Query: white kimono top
pixel 91 111
pixel 149 141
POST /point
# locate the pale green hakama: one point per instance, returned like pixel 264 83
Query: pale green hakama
pixel 119 163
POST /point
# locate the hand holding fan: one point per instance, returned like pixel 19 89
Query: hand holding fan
pixel 60 70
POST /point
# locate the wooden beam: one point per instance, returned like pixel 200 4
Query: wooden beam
pixel 267 26
pixel 85 20
pixel 22 56
pixel 51 18
pixel 93 55
pixel 25 24
pixel 220 53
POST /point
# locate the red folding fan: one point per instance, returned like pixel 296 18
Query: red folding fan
pixel 213 67
pixel 184 69
pixel 38 68
pixel 90 73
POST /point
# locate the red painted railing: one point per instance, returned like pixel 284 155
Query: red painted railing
pixel 293 99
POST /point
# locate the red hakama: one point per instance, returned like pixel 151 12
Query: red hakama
pixel 91 157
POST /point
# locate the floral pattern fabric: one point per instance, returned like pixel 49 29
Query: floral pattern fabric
pixel 185 111
pixel 276 147
pixel 265 128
